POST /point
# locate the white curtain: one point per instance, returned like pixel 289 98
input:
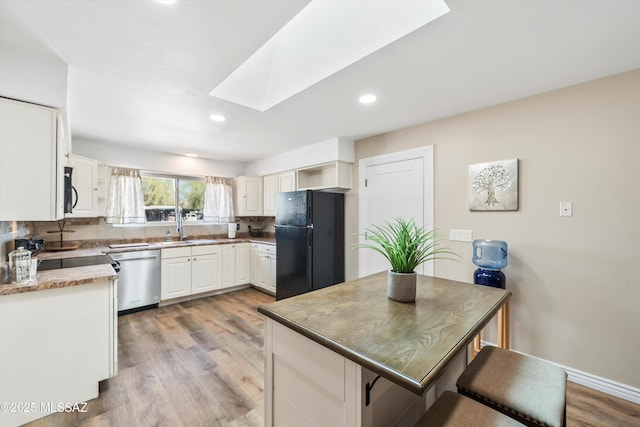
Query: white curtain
pixel 218 200
pixel 125 202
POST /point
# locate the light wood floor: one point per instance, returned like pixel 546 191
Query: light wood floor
pixel 200 363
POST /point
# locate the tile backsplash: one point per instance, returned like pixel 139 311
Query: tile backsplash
pixel 95 231
pixel 92 231
pixel 9 231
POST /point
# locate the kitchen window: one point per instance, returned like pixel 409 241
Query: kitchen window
pixel 162 193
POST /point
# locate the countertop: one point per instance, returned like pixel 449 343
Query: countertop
pixel 64 277
pixel 50 279
pixel 409 344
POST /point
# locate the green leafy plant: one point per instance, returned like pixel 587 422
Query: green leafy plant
pixel 405 244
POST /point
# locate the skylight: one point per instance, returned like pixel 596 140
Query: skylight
pixel 324 38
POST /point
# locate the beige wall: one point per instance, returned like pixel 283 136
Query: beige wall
pixel 575 280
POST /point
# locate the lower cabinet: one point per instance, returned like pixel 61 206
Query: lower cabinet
pixel 263 264
pixel 190 270
pixel 236 264
pixel 56 345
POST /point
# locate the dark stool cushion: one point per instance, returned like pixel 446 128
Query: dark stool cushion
pixel 529 390
pixel 455 410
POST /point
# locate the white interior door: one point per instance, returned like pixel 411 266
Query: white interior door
pixel 395 185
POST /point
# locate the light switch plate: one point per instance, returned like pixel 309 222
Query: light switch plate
pixel 460 235
pixel 566 209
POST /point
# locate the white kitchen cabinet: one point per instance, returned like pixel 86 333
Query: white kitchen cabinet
pixel 206 268
pixel 228 265
pixel 175 273
pixel 243 263
pixel 273 184
pixel 85 180
pixel 328 176
pixel 190 270
pixel 236 264
pixel 287 181
pixel 56 346
pixel 255 267
pixel 249 196
pixel 263 264
pixel 270 188
pixel 32 158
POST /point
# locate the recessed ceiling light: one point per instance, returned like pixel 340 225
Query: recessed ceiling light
pixel 191 155
pixel 167 1
pixel 368 99
pixel 217 118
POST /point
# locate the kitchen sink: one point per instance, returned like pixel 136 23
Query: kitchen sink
pixel 188 242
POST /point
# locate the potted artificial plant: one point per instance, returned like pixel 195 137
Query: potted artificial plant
pixel 405 245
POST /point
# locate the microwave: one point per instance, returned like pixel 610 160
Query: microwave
pixel 69 191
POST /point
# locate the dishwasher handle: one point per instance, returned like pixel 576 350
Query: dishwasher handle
pixel 137 258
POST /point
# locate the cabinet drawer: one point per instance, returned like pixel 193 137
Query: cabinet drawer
pixel 176 252
pixel 266 249
pixel 205 250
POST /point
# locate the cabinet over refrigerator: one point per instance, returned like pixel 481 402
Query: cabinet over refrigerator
pixel 310 241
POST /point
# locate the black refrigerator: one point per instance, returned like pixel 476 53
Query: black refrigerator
pixel 309 240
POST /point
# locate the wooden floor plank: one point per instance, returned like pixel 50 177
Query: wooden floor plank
pixel 201 363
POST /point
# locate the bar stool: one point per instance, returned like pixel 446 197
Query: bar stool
pixel 455 410
pixel 528 390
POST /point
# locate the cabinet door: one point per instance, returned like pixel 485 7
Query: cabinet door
pixel 85 180
pixel 255 266
pixel 271 274
pixel 202 273
pixel 249 195
pixel 28 162
pixel 206 269
pixel 287 181
pixel 243 263
pixel 175 279
pixel 263 261
pixel 270 188
pixel 254 196
pixel 228 266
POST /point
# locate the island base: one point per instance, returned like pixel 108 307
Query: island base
pixel 308 384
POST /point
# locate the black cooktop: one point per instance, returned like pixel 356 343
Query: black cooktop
pixel 53 264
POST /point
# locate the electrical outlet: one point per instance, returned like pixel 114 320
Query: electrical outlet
pixel 566 209
pixel 460 235
pixel 238 226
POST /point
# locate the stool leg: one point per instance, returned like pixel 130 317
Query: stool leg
pixel 476 346
pixel 503 326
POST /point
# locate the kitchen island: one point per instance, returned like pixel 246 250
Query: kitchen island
pixel 346 355
pixel 58 340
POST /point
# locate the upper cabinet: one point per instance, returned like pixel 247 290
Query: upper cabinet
pixel 84 179
pixel 328 176
pixel 249 196
pixel 276 183
pixel 32 160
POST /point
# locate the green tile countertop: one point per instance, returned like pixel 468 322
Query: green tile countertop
pixel 408 344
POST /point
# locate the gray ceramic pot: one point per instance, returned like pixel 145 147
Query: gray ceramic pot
pixel 402 286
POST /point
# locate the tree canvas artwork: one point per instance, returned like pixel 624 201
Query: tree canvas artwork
pixel 493 186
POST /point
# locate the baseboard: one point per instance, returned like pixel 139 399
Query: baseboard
pixel 604 385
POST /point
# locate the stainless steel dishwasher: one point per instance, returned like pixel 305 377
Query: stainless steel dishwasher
pixel 138 280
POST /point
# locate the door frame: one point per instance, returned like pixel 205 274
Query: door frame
pixel 425 153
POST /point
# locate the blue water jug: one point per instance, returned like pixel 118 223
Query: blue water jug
pixel 490 254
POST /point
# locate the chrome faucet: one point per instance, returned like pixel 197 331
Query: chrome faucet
pixel 179 225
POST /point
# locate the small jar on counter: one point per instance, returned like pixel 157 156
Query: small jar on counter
pixel 20 265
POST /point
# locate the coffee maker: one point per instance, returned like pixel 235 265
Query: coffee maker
pixel 30 244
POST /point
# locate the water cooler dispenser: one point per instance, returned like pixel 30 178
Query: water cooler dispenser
pixel 490 256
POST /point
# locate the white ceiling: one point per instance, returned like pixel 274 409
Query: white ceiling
pixel 140 72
